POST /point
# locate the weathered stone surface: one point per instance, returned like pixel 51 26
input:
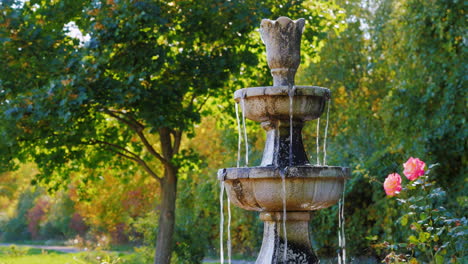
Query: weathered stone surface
pixel 282 38
pixel 262 104
pixel 308 188
pixel 277 145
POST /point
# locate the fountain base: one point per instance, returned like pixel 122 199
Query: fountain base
pixel 299 249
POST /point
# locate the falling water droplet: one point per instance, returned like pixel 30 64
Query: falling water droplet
pixel 221 224
pixel 325 137
pixel 245 132
pixel 317 142
pixel 239 135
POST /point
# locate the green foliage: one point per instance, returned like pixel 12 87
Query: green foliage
pixel 396 75
pixel 145 233
pixel 433 233
pixel 145 228
pixel 432 39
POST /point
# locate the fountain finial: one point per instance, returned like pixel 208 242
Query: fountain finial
pixel 282 38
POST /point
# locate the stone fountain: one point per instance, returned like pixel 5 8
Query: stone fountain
pixel 285 188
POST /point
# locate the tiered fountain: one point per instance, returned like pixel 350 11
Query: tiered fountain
pixel 285 188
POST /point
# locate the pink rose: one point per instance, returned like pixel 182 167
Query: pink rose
pixel 414 168
pixel 392 184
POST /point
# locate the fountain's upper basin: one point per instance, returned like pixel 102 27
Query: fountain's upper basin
pixel 308 188
pixel 273 102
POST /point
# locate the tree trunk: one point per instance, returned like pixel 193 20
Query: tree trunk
pixel 166 217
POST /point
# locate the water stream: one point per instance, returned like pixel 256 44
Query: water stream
pixel 239 146
pixel 245 132
pixel 277 144
pixel 341 229
pixel 291 91
pixel 317 141
pixel 283 217
pixel 229 247
pixel 291 102
pixel 239 135
pixel 325 137
pixel 221 224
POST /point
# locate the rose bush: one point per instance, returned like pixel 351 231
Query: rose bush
pixel 435 235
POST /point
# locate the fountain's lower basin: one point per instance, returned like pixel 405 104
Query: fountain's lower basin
pixel 308 188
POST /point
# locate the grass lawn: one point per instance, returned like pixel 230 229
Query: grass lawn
pixel 26 255
pixel 20 255
pixel 41 259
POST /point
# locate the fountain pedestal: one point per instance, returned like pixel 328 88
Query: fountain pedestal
pixel 299 249
pixel 277 146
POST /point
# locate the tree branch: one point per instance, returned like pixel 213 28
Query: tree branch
pixel 138 128
pixel 130 155
pixel 203 103
pixel 115 146
pixel 166 145
pixel 150 148
pixel 192 101
pixel 132 123
pixel 177 140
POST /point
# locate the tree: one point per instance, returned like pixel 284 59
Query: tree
pixel 128 94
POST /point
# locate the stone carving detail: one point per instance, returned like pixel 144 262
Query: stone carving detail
pixel 282 38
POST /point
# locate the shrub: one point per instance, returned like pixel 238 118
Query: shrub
pixel 434 234
pixel 59 223
pixel 36 215
pixel 16 228
pixel 78 224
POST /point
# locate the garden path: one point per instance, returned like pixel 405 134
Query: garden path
pixel 64 249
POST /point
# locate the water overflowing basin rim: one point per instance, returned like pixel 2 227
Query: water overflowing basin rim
pixel 271 172
pixel 282 90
